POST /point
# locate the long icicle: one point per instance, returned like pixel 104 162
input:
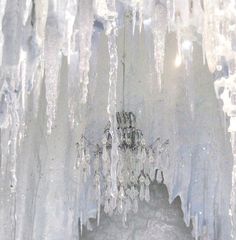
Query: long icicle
pixel 111 108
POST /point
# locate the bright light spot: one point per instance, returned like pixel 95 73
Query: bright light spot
pixel 178 61
pixel 187 45
pixel 147 22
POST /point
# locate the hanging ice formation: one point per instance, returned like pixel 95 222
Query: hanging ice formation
pixel 35 38
pixel 159 29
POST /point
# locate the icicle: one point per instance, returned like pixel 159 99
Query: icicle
pixel 128 205
pixel 211 34
pixel 70 15
pixel 83 160
pixel 196 234
pixel 105 157
pixel 159 29
pixel 2 12
pixel 113 204
pixel 23 67
pixel 152 172
pixel 87 165
pixel 111 31
pixel 133 195
pixel 188 217
pixel 4 116
pixel 146 165
pixel 31 52
pixel 106 206
pixel 81 223
pixel 140 10
pixel 133 18
pixel 53 55
pixel 135 205
pixel 98 196
pixel 152 169
pixel 169 14
pixel 203 50
pixel 86 20
pixel 141 193
pixel 233 192
pixel 147 191
pixel 36 63
pixel 97 187
pixel 27 11
pixel 124 217
pixel 121 196
pixel 41 14
pixel 142 190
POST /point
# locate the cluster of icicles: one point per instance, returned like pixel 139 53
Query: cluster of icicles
pixel 137 167
pixel 39 33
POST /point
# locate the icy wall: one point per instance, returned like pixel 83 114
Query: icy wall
pixel 156 220
pixel 62 78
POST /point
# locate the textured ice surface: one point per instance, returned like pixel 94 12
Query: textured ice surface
pixel 156 220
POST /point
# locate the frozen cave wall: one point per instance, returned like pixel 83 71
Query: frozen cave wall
pixel 50 97
pixel 186 113
pixel 156 220
pixel 49 197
